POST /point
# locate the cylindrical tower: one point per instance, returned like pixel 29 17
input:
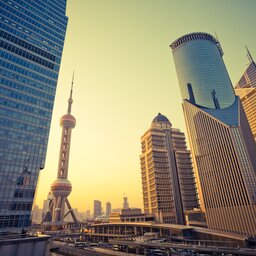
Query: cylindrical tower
pixel 68 122
pixel 201 71
pixel 222 145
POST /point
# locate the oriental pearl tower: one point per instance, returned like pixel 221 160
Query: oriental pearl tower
pixel 61 187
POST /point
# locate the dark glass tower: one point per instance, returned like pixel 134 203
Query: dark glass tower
pixel 32 34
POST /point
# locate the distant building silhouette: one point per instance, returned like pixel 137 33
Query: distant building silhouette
pixel 167 175
pixel 46 204
pixel 97 209
pixel 221 141
pixel 125 202
pixel 116 210
pixel 108 208
pixel 37 214
pixel 87 214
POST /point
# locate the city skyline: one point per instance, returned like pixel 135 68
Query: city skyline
pixel 124 76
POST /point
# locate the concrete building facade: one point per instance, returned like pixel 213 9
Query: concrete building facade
pixel 167 175
pixel 246 90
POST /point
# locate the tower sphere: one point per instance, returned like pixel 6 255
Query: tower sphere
pixel 61 187
pixel 68 121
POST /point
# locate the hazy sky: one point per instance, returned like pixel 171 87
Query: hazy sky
pixel 124 76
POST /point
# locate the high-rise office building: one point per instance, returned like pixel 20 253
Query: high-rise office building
pixel 221 141
pixel 87 214
pixel 46 204
pixel 248 80
pixel 32 35
pixel 248 99
pixel 37 214
pixel 246 90
pixel 125 202
pixel 168 182
pixel 97 209
pixel 108 208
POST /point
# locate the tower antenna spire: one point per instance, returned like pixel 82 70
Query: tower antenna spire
pixel 249 55
pixel 61 187
pixel 70 100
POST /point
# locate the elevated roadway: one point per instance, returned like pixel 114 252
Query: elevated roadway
pixel 198 248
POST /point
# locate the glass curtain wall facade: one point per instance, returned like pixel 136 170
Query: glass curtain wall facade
pixel 168 183
pixel 222 144
pixel 32 35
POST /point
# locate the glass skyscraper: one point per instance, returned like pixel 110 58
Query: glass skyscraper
pixel 222 144
pixel 32 34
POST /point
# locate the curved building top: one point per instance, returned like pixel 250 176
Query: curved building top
pixel 202 74
pixel 160 118
pixel 194 36
pixel 161 121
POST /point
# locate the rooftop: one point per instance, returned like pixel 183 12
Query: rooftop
pixel 160 118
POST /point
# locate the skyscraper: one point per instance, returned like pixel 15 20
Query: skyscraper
pixel 246 90
pixel 32 35
pixel 87 214
pixel 108 208
pixel 97 209
pixel 61 187
pixel 46 204
pixel 167 175
pixel 248 99
pixel 248 80
pixel 125 202
pixel 221 141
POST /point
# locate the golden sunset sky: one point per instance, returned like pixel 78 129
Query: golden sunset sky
pixel 124 76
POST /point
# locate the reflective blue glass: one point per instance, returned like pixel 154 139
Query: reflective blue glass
pixel 198 61
pixel 32 34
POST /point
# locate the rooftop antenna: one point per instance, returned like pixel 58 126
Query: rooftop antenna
pixel 70 100
pixel 249 55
